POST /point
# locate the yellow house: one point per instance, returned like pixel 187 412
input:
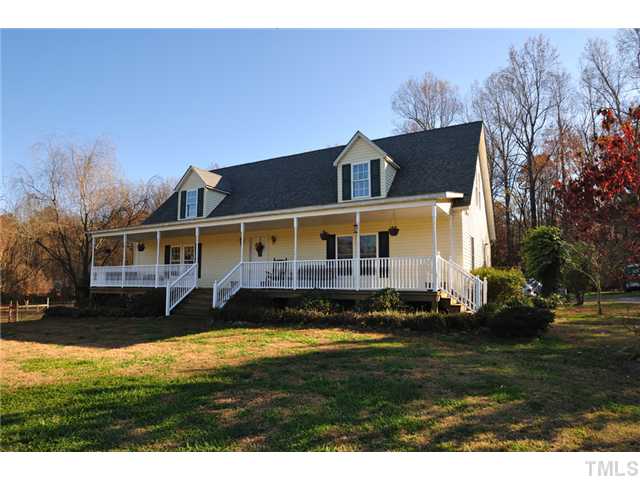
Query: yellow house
pixel 411 212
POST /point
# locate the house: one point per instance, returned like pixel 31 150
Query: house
pixel 411 212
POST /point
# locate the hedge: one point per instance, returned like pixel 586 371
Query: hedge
pixel 504 285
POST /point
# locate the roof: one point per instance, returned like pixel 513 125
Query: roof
pixel 431 161
pixel 209 178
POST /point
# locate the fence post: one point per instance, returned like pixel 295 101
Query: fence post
pixel 215 294
pixel 477 299
pixel 47 302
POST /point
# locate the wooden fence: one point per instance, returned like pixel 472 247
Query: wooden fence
pixel 15 312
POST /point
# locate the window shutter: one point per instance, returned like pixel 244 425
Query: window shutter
pixel 374 170
pixel 199 259
pixel 167 254
pixel 346 182
pixel 331 247
pixel 383 252
pixel 200 201
pixel 183 203
pixel 383 244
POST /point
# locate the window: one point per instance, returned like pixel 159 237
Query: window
pixel 189 254
pixel 175 255
pixel 191 206
pixel 360 179
pixel 368 246
pixel 344 247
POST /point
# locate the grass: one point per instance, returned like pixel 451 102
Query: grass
pixel 133 384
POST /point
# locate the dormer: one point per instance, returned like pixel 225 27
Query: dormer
pixel 364 170
pixel 199 192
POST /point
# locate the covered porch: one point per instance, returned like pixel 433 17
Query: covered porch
pixel 401 246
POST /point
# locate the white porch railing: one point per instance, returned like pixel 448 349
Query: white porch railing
pixel 136 275
pixel 227 287
pixel 181 287
pixel 400 273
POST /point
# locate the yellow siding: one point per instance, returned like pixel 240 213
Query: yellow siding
pixel 475 228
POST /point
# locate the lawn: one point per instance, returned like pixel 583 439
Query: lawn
pixel 126 384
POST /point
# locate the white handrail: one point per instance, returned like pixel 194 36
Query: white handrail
pixel 227 287
pixel 180 288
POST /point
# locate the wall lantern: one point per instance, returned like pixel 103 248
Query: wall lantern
pixel 273 239
pixel 324 235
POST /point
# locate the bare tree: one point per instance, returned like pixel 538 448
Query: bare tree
pixel 426 103
pixel 493 104
pixel 529 79
pixel 74 189
pixel 628 47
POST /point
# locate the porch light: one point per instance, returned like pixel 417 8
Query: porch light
pixel 324 235
pixel 273 239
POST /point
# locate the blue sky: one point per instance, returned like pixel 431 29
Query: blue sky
pixel 170 98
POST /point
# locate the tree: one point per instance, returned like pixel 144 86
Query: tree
pixel 544 255
pixel 426 104
pixel 530 77
pixel 72 190
pixel 603 200
pixel 493 104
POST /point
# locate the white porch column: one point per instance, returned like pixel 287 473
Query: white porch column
pixel 295 253
pixel 434 249
pixel 197 249
pixel 241 251
pixel 356 267
pixel 157 257
pixel 451 252
pixel 93 254
pixel 124 255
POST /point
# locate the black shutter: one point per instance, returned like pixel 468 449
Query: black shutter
pixel 331 247
pixel 346 182
pixel 383 244
pixel 183 203
pixel 374 167
pixel 200 201
pixel 167 254
pixel 199 259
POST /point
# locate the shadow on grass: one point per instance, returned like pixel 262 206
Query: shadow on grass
pixel 390 393
pixel 101 332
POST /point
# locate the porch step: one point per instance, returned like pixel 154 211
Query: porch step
pixel 197 305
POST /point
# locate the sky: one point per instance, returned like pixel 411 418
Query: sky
pixel 167 99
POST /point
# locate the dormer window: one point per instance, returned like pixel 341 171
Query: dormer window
pixel 360 179
pixel 191 204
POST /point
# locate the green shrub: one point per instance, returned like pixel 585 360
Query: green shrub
pixel 502 284
pixel 544 255
pixel 387 299
pixel 551 302
pixel 520 321
pixel 315 301
pixel 485 313
pixel 394 319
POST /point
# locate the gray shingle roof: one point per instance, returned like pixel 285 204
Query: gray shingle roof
pixel 431 161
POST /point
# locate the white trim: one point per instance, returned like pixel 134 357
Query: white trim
pixel 383 155
pixel 374 204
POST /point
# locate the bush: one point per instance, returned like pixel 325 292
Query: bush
pixel 420 321
pixel 519 321
pixel 387 299
pixel 503 285
pixel 315 301
pixel 544 254
pixel 485 313
pixel 551 302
